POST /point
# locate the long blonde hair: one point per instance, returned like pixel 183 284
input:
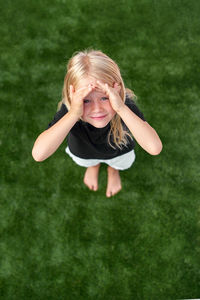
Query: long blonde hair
pixel 95 63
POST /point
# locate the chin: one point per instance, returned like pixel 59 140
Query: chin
pixel 99 124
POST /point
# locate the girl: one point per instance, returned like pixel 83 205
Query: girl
pixel 99 118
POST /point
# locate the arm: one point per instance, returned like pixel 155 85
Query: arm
pixel 49 140
pixel 144 134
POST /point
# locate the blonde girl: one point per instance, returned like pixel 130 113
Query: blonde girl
pixel 98 116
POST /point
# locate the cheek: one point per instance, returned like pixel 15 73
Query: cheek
pixel 113 113
pixel 86 109
pixel 110 109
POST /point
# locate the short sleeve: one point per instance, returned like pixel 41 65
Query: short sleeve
pixel 63 110
pixel 131 104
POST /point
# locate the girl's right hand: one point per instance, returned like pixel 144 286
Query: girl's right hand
pixel 77 98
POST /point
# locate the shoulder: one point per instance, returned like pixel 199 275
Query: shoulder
pixel 61 111
pixel 130 102
pixel 63 108
pixel 130 99
pixel 132 105
pixel 59 114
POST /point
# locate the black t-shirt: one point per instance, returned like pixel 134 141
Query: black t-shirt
pixel 88 142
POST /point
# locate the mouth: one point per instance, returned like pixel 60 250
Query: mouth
pixel 99 117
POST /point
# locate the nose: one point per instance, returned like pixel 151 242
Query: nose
pixel 96 106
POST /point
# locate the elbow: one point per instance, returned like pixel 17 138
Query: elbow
pixel 36 156
pixel 156 149
pixel 155 145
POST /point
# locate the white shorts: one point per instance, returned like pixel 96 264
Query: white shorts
pixel 121 162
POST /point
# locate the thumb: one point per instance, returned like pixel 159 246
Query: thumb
pixel 71 91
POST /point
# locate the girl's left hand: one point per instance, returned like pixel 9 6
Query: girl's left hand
pixel 113 94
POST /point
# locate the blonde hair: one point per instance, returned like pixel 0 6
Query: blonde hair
pixel 95 63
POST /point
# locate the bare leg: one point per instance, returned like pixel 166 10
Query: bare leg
pixel 114 182
pixel 91 177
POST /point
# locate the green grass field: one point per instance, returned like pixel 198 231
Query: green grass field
pixel 59 240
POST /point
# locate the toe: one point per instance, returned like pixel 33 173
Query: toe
pixel 93 187
pixel 109 194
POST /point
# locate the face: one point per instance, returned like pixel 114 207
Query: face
pixel 97 108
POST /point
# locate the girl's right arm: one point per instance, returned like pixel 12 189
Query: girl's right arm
pixel 49 140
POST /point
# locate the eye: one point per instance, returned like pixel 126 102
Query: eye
pixel 104 98
pixel 86 101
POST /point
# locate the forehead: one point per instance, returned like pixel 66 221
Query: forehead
pixel 96 94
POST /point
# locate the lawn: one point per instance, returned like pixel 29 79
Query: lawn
pixel 59 240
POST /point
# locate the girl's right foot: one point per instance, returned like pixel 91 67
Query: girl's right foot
pixel 91 177
pixel 114 182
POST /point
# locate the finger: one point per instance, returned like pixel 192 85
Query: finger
pixel 84 93
pixel 80 89
pixel 104 86
pixel 117 87
pixel 100 83
pixel 85 88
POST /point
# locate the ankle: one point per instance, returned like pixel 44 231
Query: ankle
pixel 93 167
pixel 110 169
pixel 96 167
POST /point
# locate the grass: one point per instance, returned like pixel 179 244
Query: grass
pixel 58 239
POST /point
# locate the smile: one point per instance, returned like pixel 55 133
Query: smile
pixel 98 118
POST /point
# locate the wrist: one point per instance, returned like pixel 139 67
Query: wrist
pixel 76 116
pixel 120 109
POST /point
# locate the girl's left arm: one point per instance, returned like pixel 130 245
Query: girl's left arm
pixel 143 133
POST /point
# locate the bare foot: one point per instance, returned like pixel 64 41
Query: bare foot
pixel 114 182
pixel 91 177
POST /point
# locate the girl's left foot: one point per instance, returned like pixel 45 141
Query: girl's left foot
pixel 114 182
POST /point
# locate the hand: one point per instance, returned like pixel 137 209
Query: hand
pixel 77 99
pixel 113 94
